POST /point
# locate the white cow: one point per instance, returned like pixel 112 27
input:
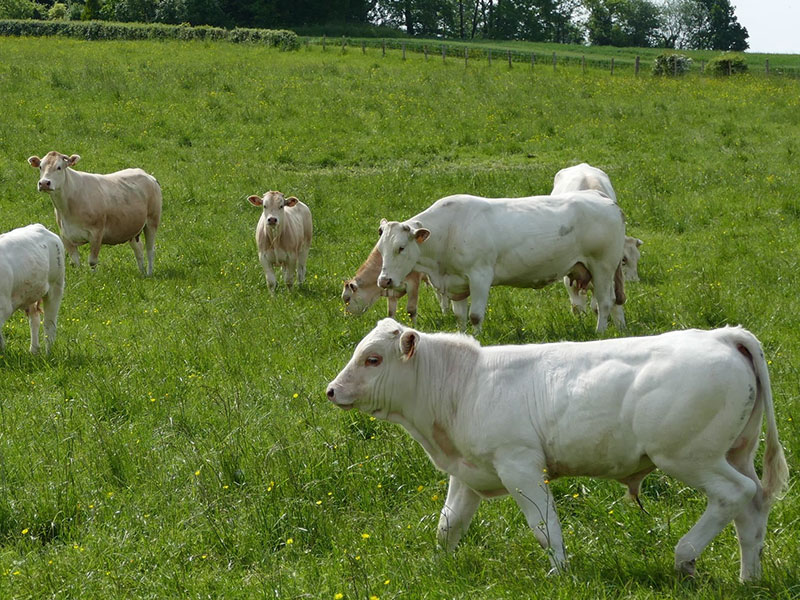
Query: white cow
pixel 101 209
pixel 283 236
pixel 586 177
pixel 466 244
pixel 509 419
pixel 31 279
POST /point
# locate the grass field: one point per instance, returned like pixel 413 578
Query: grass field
pixel 178 443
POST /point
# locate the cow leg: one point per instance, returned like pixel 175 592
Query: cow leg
pixel 444 301
pixel 524 475
pixel 34 320
pixel 150 245
pixel 136 244
pixel 302 257
pixel 603 296
pixel 269 274
pixel 457 513
pixel 479 284
pixel 6 311
pixel 391 305
pixel 729 492
pixel 576 299
pixel 94 248
pixel 460 309
pixel 51 304
pixel 412 298
pixel 289 269
pixel 72 250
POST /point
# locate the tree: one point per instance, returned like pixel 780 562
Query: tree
pixel 680 19
pixel 720 29
pixel 91 10
pixel 622 22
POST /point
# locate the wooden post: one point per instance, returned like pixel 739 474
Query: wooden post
pixel 702 66
pixel 583 63
pixel 508 52
pixel 636 68
pixel 363 47
pixel 466 56
pixel 343 44
pixel 444 52
pixel 730 62
pixel 766 66
pixel 490 57
pixel 533 60
pixel 612 65
pixel 383 47
pixel 674 65
pixel 323 42
pixel 404 50
pixel 554 62
pixel 425 50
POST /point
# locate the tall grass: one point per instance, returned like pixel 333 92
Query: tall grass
pixel 177 442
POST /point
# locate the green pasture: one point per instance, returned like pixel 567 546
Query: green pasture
pixel 177 443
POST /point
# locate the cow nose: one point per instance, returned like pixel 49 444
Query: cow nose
pixel 330 393
pixel 44 184
pixel 385 282
pixel 272 221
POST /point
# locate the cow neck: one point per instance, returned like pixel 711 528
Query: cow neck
pixel 444 372
pixel 59 197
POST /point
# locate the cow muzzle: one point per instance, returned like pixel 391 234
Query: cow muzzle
pixel 331 394
pixel 385 282
pixel 45 185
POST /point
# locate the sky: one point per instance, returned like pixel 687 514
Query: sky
pixel 773 25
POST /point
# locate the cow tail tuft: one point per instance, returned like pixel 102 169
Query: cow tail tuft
pixel 619 286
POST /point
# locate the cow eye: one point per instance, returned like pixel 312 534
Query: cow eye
pixel 373 360
pixel 380 231
pixel 59 168
pixel 400 249
pixel 624 261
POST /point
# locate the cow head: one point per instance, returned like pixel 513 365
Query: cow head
pixel 53 169
pixel 399 247
pixel 379 370
pixel 630 258
pixel 356 300
pixel 273 204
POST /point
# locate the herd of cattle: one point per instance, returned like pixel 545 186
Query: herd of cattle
pixel 499 420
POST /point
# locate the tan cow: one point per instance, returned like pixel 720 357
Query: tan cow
pixel 283 236
pixel 101 209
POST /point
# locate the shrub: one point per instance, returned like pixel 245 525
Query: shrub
pixel 670 63
pixel 729 63
pixel 57 11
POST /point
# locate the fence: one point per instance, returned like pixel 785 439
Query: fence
pixel 476 54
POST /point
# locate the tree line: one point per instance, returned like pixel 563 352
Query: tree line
pixel 697 24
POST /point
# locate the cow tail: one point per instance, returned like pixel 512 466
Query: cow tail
pixel 619 286
pixel 775 472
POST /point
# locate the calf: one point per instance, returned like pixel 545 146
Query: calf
pixel 509 419
pixel 101 209
pixel 283 236
pixel 32 280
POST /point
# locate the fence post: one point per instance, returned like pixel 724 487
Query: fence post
pixel 766 66
pixel 490 57
pixel 383 47
pixel 730 62
pixel 702 66
pixel 343 44
pixel 554 62
pixel 404 50
pixel 533 60
pixel 612 65
pixel 444 52
pixel 323 42
pixel 363 47
pixel 509 58
pixel 425 50
pixel 675 66
pixel 637 67
pixel 466 56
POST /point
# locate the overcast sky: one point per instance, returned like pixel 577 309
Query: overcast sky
pixel 773 25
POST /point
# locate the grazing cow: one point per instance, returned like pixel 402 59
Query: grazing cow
pixel 101 209
pixel 466 244
pixel 362 291
pixel 509 419
pixel 283 236
pixel 31 279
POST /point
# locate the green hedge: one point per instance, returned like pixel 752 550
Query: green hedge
pixel 104 30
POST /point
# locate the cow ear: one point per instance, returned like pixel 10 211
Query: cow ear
pixel 421 234
pixel 290 201
pixel 639 242
pixel 383 224
pixel 73 160
pixel 352 285
pixel 34 161
pixel 255 200
pixel 408 343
